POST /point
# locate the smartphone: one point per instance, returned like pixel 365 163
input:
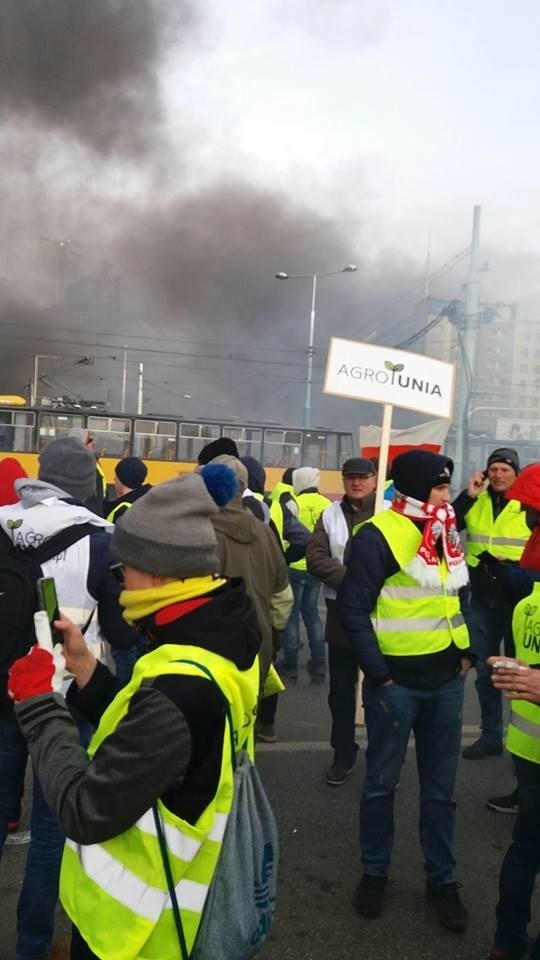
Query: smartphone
pixel 48 602
pixel 507 665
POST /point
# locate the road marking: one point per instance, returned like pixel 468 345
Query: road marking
pixel 471 734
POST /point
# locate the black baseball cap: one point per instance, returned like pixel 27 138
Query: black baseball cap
pixel 358 467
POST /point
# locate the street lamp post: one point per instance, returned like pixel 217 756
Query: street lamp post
pixel 350 268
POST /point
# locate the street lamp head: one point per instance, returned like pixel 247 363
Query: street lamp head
pixel 350 268
pixel 282 275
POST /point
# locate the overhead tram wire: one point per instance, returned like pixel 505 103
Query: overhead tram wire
pixel 135 336
pixel 419 289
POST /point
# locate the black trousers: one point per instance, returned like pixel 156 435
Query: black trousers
pixel 343 673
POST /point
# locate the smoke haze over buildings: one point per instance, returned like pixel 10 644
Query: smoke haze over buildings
pixel 112 224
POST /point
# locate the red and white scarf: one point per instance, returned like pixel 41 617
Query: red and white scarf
pixel 439 522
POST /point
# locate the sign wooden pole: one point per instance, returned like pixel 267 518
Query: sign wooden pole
pixel 379 500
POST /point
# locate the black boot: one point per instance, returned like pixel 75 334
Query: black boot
pixel 368 899
pixel 448 906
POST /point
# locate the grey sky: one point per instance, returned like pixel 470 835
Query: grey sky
pixel 291 135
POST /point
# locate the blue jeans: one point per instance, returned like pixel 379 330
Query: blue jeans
pixel 39 893
pixel 489 627
pixel 521 863
pixel 435 717
pixel 306 589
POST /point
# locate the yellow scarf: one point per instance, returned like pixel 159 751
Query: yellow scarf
pixel 141 603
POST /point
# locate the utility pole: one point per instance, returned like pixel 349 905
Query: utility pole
pixel 124 382
pixel 140 390
pixel 467 326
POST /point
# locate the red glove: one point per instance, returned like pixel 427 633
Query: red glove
pixel 31 675
pixel 42 670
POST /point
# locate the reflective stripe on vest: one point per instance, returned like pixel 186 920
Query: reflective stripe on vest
pixel 411 620
pixel 310 507
pixel 115 892
pixel 112 514
pixel 523 737
pixel 505 536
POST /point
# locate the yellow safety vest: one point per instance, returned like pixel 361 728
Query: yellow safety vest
pixel 410 620
pixel 310 507
pixel 276 516
pixel 505 536
pixel 114 511
pixel 115 892
pixel 523 737
pixel 103 479
pixel 281 488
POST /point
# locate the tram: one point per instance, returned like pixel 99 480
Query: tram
pixel 170 445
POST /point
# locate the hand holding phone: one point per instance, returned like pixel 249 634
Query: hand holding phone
pixel 48 602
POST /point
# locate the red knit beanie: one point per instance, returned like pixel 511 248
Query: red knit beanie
pixel 10 470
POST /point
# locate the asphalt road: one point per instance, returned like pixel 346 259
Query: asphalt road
pixel 319 864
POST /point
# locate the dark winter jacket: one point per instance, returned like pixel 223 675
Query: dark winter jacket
pixel 131 497
pixel 247 548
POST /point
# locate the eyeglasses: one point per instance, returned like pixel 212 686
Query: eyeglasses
pixel 117 570
pixel 358 476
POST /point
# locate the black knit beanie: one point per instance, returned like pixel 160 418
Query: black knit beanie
pixel 216 448
pixel 416 472
pixel 504 455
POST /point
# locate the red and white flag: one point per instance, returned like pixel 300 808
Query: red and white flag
pixel 429 435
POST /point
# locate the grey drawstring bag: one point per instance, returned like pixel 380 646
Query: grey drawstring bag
pixel 240 905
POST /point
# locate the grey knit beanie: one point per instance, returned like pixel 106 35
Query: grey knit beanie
pixel 69 465
pixel 238 468
pixel 168 532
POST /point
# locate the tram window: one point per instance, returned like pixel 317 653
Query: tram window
pixel 55 425
pixel 247 439
pixel 193 437
pixel 112 435
pixel 282 448
pixel 315 450
pixel 155 440
pixel 16 431
pixel 345 449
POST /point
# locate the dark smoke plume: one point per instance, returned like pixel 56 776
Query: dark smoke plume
pixel 88 68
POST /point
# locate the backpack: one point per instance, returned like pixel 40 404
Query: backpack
pixel 19 571
pixel 240 905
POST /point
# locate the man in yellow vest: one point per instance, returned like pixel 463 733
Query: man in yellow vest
pixel 399 603
pixel 519 679
pixel 129 486
pixel 498 526
pixel 305 587
pixel 162 749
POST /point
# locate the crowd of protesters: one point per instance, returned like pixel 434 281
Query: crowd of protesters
pixel 179 609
